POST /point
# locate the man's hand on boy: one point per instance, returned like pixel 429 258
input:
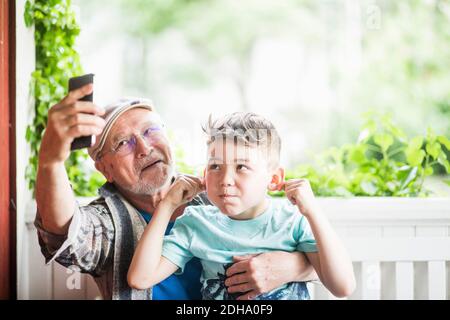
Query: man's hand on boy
pixel 183 190
pixel 255 274
pixel 299 192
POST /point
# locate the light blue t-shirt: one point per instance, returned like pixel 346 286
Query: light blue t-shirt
pixel 206 233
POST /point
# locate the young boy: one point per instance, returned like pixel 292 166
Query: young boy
pixel 243 164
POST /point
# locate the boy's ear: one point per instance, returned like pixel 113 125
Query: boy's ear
pixel 100 166
pixel 277 181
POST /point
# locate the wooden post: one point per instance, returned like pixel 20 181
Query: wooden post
pixel 7 152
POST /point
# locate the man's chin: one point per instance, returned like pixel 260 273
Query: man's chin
pixel 153 180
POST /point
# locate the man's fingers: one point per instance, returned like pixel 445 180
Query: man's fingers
pixel 245 287
pixel 236 279
pixel 248 296
pixel 85 107
pixel 83 130
pixel 77 94
pixel 238 267
pixel 244 257
pixel 85 119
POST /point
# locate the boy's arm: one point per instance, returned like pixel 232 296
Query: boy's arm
pixel 148 266
pixel 332 262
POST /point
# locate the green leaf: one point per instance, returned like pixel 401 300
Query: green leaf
pixel 433 149
pixel 28 14
pixel 414 157
pixel 384 140
pixel 428 171
pixel 411 175
pixel 445 141
pixel 369 188
pixel 357 154
pixel 442 160
pixel 415 143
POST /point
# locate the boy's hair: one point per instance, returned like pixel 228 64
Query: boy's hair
pixel 248 128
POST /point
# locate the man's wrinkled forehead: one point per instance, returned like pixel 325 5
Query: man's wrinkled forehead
pixel 134 120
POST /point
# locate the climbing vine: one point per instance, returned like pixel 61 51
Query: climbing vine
pixel 55 32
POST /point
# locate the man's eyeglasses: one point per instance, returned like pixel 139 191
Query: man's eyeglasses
pixel 126 145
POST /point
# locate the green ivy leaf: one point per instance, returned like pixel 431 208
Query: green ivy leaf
pixel 384 140
pixel 415 143
pixel 433 149
pixel 442 160
pixel 410 175
pixel 369 188
pixel 414 157
pixel 445 141
pixel 428 171
pixel 28 14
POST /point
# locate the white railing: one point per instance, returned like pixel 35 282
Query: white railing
pixel 400 250
pixel 400 247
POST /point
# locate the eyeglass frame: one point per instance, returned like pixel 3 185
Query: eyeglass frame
pixel 133 139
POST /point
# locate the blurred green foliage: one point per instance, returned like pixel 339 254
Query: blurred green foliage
pixel 405 69
pixel 383 162
pixel 55 32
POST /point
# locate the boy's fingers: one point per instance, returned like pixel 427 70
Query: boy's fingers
pixel 196 182
pixel 293 186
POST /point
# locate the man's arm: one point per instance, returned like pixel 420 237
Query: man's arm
pixel 89 243
pixel 67 120
pixel 256 274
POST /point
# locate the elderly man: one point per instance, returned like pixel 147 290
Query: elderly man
pixel 133 153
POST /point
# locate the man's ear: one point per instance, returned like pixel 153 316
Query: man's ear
pixel 100 166
pixel 277 181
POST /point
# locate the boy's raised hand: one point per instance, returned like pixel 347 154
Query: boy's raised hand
pixel 183 190
pixel 299 192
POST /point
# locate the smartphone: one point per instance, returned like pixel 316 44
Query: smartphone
pixel 75 83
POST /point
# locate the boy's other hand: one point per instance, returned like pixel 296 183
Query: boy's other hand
pixel 183 190
pixel 299 192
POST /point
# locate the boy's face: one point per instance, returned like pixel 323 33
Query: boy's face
pixel 237 178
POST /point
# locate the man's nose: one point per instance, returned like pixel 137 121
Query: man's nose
pixel 143 148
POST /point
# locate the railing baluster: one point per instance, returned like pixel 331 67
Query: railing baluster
pixel 436 280
pixel 370 280
pixel 404 280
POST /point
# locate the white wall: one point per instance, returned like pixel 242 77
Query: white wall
pixel 25 64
